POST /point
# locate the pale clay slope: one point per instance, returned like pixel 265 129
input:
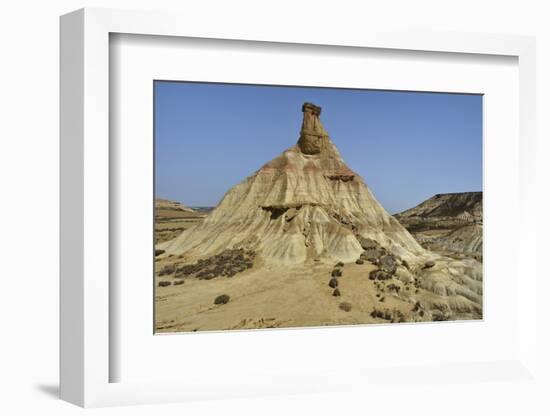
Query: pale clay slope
pixel 302 212
pixel 297 208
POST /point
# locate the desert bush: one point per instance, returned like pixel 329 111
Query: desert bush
pixel 164 283
pixel 345 306
pixel 221 300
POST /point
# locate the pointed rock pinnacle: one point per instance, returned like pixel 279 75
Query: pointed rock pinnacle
pixel 312 134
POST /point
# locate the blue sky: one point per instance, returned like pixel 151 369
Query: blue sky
pixel 407 146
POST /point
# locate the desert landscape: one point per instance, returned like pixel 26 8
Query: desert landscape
pixel 303 242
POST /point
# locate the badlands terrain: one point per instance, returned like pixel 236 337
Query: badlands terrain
pixel 303 242
pixel 451 224
pixel 172 218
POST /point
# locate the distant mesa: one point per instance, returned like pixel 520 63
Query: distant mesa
pixel 165 204
pixel 304 205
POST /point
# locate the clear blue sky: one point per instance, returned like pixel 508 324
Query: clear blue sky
pixel 407 146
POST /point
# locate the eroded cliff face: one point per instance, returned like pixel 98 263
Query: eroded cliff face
pixel 449 223
pixel 304 205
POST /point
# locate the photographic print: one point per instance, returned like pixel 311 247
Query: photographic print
pixel 283 206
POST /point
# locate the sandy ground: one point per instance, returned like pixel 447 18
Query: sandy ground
pixel 269 298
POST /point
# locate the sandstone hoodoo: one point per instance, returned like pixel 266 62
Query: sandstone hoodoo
pixel 304 205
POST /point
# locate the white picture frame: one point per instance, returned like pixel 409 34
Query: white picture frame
pixel 85 211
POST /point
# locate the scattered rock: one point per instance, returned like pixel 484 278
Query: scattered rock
pixel 339 264
pixel 388 263
pixel 359 261
pixel 333 283
pixel 158 252
pixel 406 265
pixel 379 275
pixel 221 300
pixel 168 269
pixel 367 244
pixel 345 306
pixel 393 316
pixel 393 287
pixel 179 282
pixel 372 255
pixel 336 292
pixel 428 264
pixel 336 273
pixel 164 283
pixel 228 263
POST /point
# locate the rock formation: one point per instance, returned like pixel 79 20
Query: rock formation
pixel 304 205
pixel 165 204
pixel 449 223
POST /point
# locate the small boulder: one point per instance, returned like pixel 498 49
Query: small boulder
pixel 221 300
pixel 367 243
pixel 429 264
pixel 388 263
pixel 336 273
pixel 379 275
pixel 372 255
pixel 333 283
pixel 359 261
pixel 345 306
pixel 336 292
pixel 164 283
